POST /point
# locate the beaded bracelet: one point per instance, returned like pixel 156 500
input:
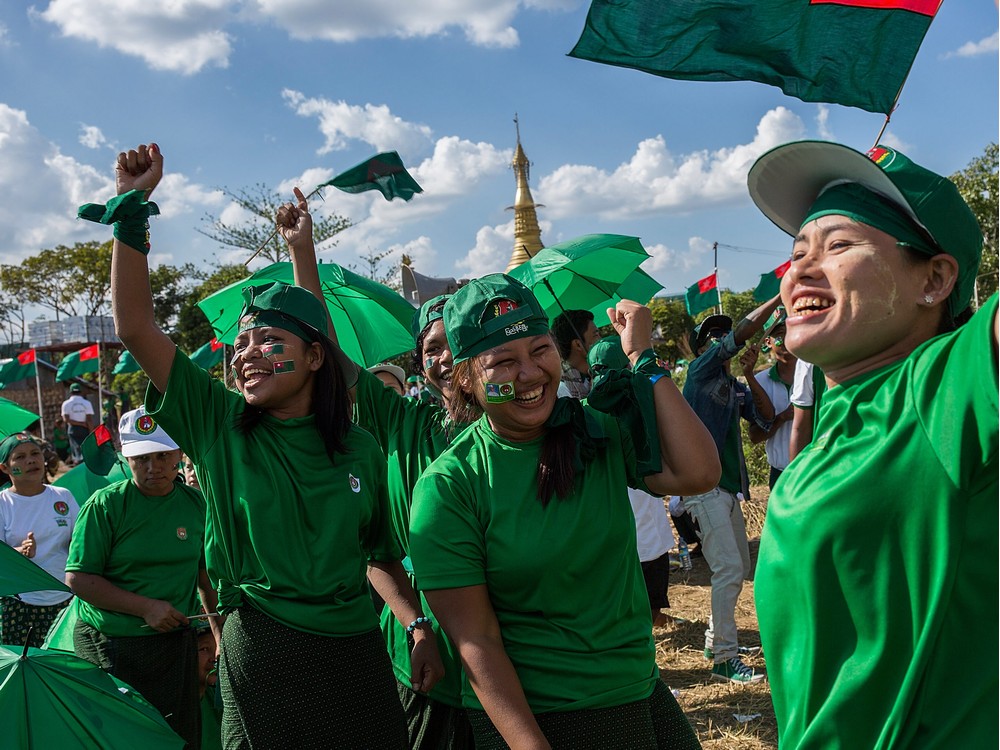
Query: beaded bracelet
pixel 416 624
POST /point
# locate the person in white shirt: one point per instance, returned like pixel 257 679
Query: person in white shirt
pixel 777 384
pixel 36 519
pixel 79 415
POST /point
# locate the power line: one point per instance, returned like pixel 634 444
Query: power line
pixel 739 249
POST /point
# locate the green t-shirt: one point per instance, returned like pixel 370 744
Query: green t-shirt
pixel 564 580
pixel 877 578
pixel 288 531
pixel 411 433
pixel 152 546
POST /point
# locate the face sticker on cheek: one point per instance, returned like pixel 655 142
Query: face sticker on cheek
pixel 499 393
pixel 272 350
pixel 284 366
pixel 15 472
pixel 428 363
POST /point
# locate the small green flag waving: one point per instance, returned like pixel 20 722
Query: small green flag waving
pixel 126 364
pixel 702 295
pixel 208 355
pixel 770 282
pixel 19 368
pixel 79 363
pixel 383 172
pixel 852 52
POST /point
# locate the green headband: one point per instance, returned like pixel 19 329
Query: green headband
pixel 862 205
pixel 430 311
pixel 9 444
pixel 275 319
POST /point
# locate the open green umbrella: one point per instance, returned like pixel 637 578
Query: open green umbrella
pixel 15 418
pixel 581 274
pixel 19 575
pixel 639 287
pixel 52 699
pixel 372 320
pixel 83 482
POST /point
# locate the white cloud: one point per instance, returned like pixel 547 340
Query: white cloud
pixel 183 36
pixel 664 259
pixel 890 139
pixel 823 122
pixel 985 46
pixel 491 252
pixel 654 181
pixel 487 23
pixel 92 137
pixel 340 122
pixel 420 251
pixel 5 39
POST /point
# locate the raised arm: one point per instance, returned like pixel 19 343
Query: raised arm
pixel 754 321
pixel 690 459
pixel 131 298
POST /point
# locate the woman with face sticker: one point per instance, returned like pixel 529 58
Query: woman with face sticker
pixel 296 502
pixel 877 577
pixel 37 520
pixel 412 433
pixel 522 534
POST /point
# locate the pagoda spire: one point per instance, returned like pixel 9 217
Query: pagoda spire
pixel 527 235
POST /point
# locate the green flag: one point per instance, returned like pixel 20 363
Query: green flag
pixel 79 363
pixel 702 295
pixel 770 282
pixel 126 364
pixel 19 368
pixel 383 172
pixel 208 355
pixel 851 52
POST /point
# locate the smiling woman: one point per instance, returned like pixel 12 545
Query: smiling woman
pixel 877 559
pixel 534 575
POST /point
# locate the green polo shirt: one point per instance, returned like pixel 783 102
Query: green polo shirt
pixel 151 546
pixel 877 577
pixel 411 433
pixel 564 580
pixel 288 531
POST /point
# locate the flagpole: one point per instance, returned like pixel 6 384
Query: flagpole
pixel 38 391
pixel 715 271
pixel 272 235
pixel 100 388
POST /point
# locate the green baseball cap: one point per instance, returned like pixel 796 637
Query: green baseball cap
pixel 75 388
pixel 778 317
pixel 787 180
pixel 490 311
pixel 607 354
pixel 431 310
pixel 294 309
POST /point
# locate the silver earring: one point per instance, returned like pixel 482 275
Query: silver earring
pixel 928 299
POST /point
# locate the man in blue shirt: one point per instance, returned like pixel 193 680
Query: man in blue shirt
pixel 720 400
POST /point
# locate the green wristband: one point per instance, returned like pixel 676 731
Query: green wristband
pixel 129 213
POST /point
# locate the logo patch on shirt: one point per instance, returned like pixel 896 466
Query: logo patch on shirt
pixel 355 483
pixel 62 522
pixel 145 425
pixel 182 533
pixel 60 507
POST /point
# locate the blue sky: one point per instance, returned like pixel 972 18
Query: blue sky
pixel 287 92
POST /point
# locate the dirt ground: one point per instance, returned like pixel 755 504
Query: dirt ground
pixel 710 705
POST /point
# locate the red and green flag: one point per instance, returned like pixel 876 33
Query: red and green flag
pixel 79 363
pixel 19 368
pixel 851 52
pixel 770 283
pixel 383 172
pixel 208 355
pixel 126 363
pixel 703 295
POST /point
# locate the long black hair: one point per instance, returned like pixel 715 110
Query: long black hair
pixel 331 405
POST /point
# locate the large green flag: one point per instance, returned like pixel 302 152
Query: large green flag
pixel 19 368
pixel 852 52
pixel 770 283
pixel 79 363
pixel 383 172
pixel 208 355
pixel 702 295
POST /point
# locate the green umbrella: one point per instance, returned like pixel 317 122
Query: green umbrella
pixel 19 575
pixel 581 274
pixel 51 699
pixel 83 482
pixel 639 287
pixel 15 418
pixel 60 635
pixel 372 320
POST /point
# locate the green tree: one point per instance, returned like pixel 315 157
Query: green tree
pixel 193 328
pixel 262 204
pixel 671 326
pixel 377 266
pixel 978 185
pixel 66 280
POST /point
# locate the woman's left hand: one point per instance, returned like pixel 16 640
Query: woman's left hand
pixel 294 221
pixel 634 323
pixel 27 547
pixel 426 667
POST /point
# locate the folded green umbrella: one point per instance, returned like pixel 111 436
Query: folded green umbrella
pixel 52 699
pixel 372 321
pixel 15 418
pixel 19 575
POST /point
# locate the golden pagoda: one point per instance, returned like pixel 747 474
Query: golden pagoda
pixel 527 235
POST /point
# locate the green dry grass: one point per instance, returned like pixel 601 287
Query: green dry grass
pixel 710 704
